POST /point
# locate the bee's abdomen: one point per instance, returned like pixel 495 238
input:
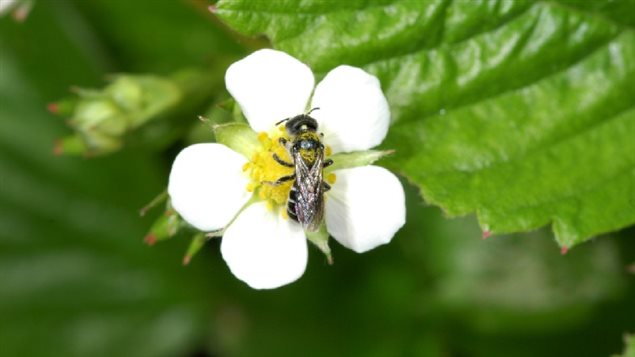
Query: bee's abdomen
pixel 291 203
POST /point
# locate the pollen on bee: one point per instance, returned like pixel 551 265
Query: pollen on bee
pixel 331 178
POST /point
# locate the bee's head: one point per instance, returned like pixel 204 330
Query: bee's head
pixel 301 123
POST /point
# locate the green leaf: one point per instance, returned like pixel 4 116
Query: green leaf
pixel 511 283
pixel 519 111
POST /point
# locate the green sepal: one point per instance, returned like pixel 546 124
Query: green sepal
pixel 237 112
pixel 165 227
pixel 64 107
pixel 160 198
pixel 198 241
pixel 71 145
pixel 355 159
pixel 238 137
pixel 320 239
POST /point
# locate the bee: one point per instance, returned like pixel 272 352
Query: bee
pixel 305 203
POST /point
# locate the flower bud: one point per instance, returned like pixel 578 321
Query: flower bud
pixel 102 118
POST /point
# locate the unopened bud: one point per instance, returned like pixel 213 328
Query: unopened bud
pixel 103 117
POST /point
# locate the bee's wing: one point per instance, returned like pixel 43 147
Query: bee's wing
pixel 310 198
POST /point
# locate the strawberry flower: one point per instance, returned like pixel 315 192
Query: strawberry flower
pixel 216 187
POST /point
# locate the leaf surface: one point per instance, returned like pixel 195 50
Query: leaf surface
pixel 521 112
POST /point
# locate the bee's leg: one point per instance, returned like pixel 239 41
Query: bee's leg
pixel 327 163
pixel 280 161
pixel 280 181
pixel 285 143
pixel 326 186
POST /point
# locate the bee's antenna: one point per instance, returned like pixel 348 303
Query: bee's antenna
pixel 282 121
pixel 312 110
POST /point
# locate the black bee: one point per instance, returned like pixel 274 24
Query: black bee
pixel 306 198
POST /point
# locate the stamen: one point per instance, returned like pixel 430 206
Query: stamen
pixel 264 168
pixel 263 137
pixel 328 150
pixel 283 213
pixel 331 178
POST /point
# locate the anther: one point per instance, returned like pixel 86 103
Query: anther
pixel 331 178
pixel 328 150
pixel 264 139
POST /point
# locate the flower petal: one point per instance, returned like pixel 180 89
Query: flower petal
pixel 365 207
pixel 263 249
pixel 207 186
pixel 354 114
pixel 270 86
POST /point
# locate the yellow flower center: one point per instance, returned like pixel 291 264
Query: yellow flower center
pixel 264 170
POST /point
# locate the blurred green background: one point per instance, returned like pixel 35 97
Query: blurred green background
pixel 77 280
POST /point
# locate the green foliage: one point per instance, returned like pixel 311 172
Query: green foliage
pixel 519 111
pixel 77 280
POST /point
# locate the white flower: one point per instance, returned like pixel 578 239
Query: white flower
pixel 213 187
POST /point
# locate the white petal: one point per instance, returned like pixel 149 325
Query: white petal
pixel 270 86
pixel 354 114
pixel 263 249
pixel 6 5
pixel 365 207
pixel 207 186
